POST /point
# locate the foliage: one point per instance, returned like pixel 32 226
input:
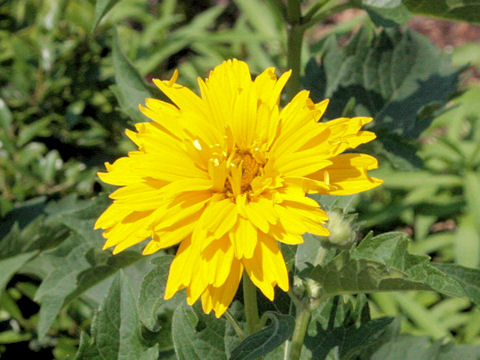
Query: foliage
pixel 72 74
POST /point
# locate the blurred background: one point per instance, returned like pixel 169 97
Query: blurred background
pixel 62 115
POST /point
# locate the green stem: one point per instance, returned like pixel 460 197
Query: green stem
pixel 294 47
pixel 301 324
pixel 250 302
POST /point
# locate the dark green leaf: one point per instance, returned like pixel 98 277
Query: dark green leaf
pixel 197 336
pixel 117 332
pixel 387 12
pixel 101 9
pixel 398 78
pixel 350 341
pixel 267 339
pixel 461 10
pixel 130 88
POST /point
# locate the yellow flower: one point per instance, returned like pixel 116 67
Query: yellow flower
pixel 225 175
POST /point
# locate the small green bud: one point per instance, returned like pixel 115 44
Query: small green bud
pixel 341 230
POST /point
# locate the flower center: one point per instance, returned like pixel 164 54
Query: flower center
pixel 242 169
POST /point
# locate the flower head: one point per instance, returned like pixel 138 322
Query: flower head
pixel 225 175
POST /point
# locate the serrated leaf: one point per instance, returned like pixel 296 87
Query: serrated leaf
pixel 197 336
pixel 78 263
pixel 398 78
pixel 130 89
pixel 382 263
pixel 265 340
pixel 117 334
pixel 73 274
pixel 387 12
pixel 350 341
pixel 469 279
pixel 461 10
pixel 102 7
pixel 152 292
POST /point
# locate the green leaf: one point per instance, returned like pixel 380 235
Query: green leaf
pixel 397 77
pixel 404 347
pixel 37 128
pixel 467 242
pixel 197 336
pixel 87 350
pixel 467 278
pixel 5 117
pixel 11 265
pixel 102 7
pixel 117 332
pixel 348 341
pixel 78 263
pixel 461 10
pixel 387 12
pixel 152 292
pixel 382 263
pixel 267 339
pixel 78 267
pixel 130 88
pixel 472 195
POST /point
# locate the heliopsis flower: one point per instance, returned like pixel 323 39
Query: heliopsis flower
pixel 225 175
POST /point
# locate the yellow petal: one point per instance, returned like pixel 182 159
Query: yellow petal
pixel 348 174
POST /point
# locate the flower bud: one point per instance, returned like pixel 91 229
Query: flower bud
pixel 342 233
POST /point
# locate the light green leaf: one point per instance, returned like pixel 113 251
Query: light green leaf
pixel 387 12
pixel 9 266
pixel 197 336
pixel 382 263
pixel 78 267
pixel 117 332
pixel 404 347
pixel 5 117
pixel 472 195
pixel 467 242
pixel 87 349
pixel 267 339
pixel 130 88
pixel 468 279
pixel 78 263
pixel 461 10
pixel 102 7
pixel 260 17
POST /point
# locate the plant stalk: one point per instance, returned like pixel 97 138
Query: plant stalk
pixel 301 324
pixel 294 47
pixel 250 302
